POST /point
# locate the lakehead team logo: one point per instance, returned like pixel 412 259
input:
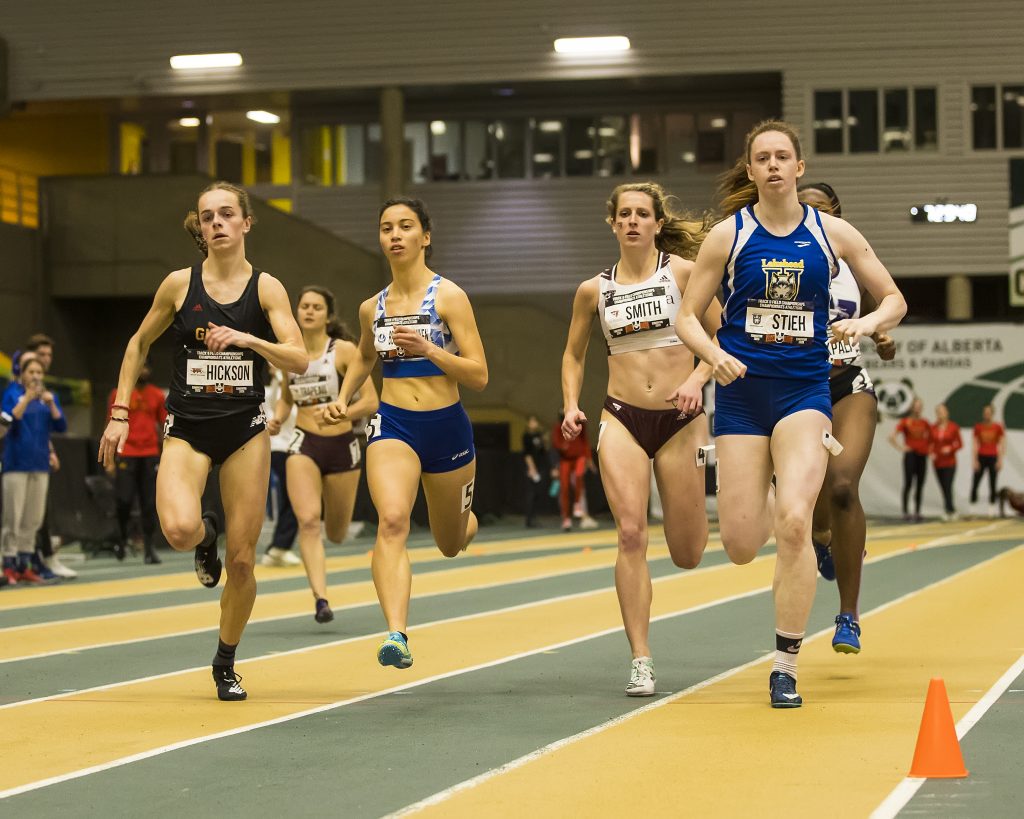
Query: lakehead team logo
pixel 782 278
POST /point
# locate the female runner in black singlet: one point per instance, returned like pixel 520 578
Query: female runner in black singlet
pixel 224 315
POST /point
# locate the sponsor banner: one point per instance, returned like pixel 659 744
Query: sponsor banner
pixel 964 366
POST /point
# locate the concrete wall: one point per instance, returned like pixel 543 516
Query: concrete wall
pixel 20 286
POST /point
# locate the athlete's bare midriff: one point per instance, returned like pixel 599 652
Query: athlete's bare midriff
pixel 429 392
pixel 307 421
pixel 646 378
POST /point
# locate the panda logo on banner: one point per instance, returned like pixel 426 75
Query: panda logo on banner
pixel 894 397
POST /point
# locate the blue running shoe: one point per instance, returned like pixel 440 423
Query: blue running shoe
pixel 847 639
pixel 823 552
pixel 395 651
pixel 782 688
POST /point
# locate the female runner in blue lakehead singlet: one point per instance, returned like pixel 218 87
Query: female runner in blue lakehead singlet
pixel 422 329
pixel 774 259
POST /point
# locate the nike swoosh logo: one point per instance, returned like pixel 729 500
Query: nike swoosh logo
pixel 791 696
pixel 803 244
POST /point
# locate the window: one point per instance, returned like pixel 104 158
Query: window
pixel 445 150
pixel 828 122
pixel 896 120
pixel 711 139
pixel 611 146
pixel 862 121
pixel 680 141
pixel 478 161
pixel 1013 116
pixel 868 120
pixel 926 120
pixel 546 159
pixel 509 148
pixel 644 130
pixel 983 116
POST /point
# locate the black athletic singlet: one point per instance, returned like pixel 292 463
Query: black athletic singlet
pixel 205 384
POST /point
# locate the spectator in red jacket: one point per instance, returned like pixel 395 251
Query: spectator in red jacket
pixel 946 442
pixel 916 444
pixel 134 471
pixel 989 448
pixel 574 458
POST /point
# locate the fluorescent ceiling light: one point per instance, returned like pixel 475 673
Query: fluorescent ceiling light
pixel 591 45
pixel 550 126
pixel 718 122
pixel 186 61
pixel 189 122
pixel 438 127
pixel 263 116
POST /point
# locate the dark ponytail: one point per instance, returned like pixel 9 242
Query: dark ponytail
pixel 835 209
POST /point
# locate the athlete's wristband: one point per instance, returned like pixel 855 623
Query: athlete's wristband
pixel 120 406
pixel 119 420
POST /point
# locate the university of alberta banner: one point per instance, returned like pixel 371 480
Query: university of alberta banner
pixel 964 366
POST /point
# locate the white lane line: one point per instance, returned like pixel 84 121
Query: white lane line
pixel 448 793
pixel 548 648
pixel 943 541
pixel 906 790
pixel 54 780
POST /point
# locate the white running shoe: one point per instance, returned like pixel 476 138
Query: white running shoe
pixel 588 522
pixel 641 678
pixel 276 556
pixel 54 565
pixel 355 529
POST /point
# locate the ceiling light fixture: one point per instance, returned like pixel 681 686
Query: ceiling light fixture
pixel 263 116
pixel 183 62
pixel 189 122
pixel 588 46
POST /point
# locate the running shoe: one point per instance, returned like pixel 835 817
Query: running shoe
pixel 587 522
pixel 641 678
pixel 229 684
pixel 42 570
pixel 826 566
pixel 207 563
pixel 566 524
pixel 27 575
pixel 395 651
pixel 54 564
pixel 323 611
pixel 11 575
pixel 782 689
pixel 847 638
pixel 276 556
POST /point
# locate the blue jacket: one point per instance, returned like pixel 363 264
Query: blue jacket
pixel 27 445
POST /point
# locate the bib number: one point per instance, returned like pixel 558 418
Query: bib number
pixel 637 312
pixel 373 427
pixel 467 496
pixel 770 321
pixel 842 352
pixel 295 444
pixel 354 452
pixel 225 372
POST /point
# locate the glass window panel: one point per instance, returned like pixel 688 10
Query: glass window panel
pixel 680 141
pixel 983 116
pixel 479 164
pixel 863 121
pixel 644 133
pixel 896 119
pixel 417 150
pixel 228 160
pixel 580 138
pixel 445 149
pixel 828 122
pixel 612 146
pixel 712 130
pixel 350 149
pixel 374 155
pixel 316 156
pixel 263 163
pixel 546 145
pixel 1013 116
pixel 926 120
pixel 509 147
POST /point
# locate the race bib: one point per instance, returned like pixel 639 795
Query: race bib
pixel 384 330
pixel 311 390
pixel 373 427
pixel 295 444
pixel 637 311
pixel 841 353
pixel 229 372
pixel 770 321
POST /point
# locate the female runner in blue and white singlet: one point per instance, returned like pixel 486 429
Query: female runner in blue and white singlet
pixel 839 530
pixel 422 328
pixel 774 259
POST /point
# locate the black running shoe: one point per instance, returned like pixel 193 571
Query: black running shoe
pixel 782 688
pixel 208 565
pixel 229 684
pixel 323 611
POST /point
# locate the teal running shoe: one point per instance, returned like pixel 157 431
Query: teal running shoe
pixel 395 651
pixel 847 638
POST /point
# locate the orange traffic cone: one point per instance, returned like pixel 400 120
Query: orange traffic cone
pixel 937 755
